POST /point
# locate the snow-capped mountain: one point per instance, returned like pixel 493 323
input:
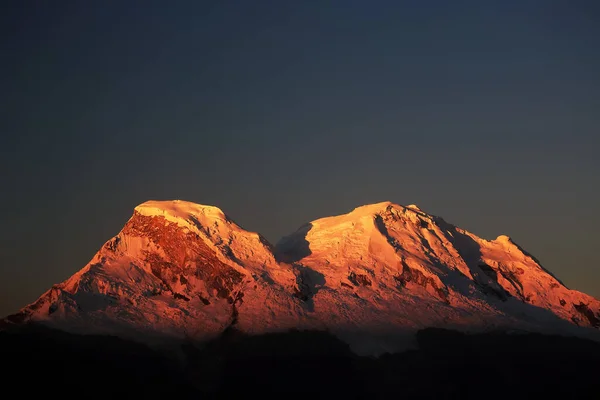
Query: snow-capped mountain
pixel 372 277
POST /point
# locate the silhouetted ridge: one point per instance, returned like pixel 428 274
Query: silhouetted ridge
pixel 301 364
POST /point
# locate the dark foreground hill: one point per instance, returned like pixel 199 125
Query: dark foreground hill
pixel 309 365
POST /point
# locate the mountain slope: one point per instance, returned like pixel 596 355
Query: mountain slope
pixel 373 277
pixel 177 269
pixel 387 265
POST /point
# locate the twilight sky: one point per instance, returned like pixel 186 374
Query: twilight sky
pixel 486 113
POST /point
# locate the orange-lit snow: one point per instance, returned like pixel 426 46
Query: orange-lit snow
pixel 372 277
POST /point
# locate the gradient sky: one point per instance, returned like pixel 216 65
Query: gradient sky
pixel 486 113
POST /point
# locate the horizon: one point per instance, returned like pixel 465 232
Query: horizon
pixel 279 114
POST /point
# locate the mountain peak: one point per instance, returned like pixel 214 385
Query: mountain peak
pixel 376 208
pixel 177 209
pixel 504 239
pixel 372 208
pixel 185 213
pixel 181 269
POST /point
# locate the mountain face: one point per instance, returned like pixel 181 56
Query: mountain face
pixel 372 277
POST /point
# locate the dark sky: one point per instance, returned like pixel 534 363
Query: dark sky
pixel 486 113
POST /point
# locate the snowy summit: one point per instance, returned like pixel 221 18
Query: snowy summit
pixel 373 277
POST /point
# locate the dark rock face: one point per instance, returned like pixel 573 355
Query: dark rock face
pixel 359 279
pixel 344 284
pixel 308 283
pixel 411 275
pixel 186 255
pixel 511 275
pixel 588 314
